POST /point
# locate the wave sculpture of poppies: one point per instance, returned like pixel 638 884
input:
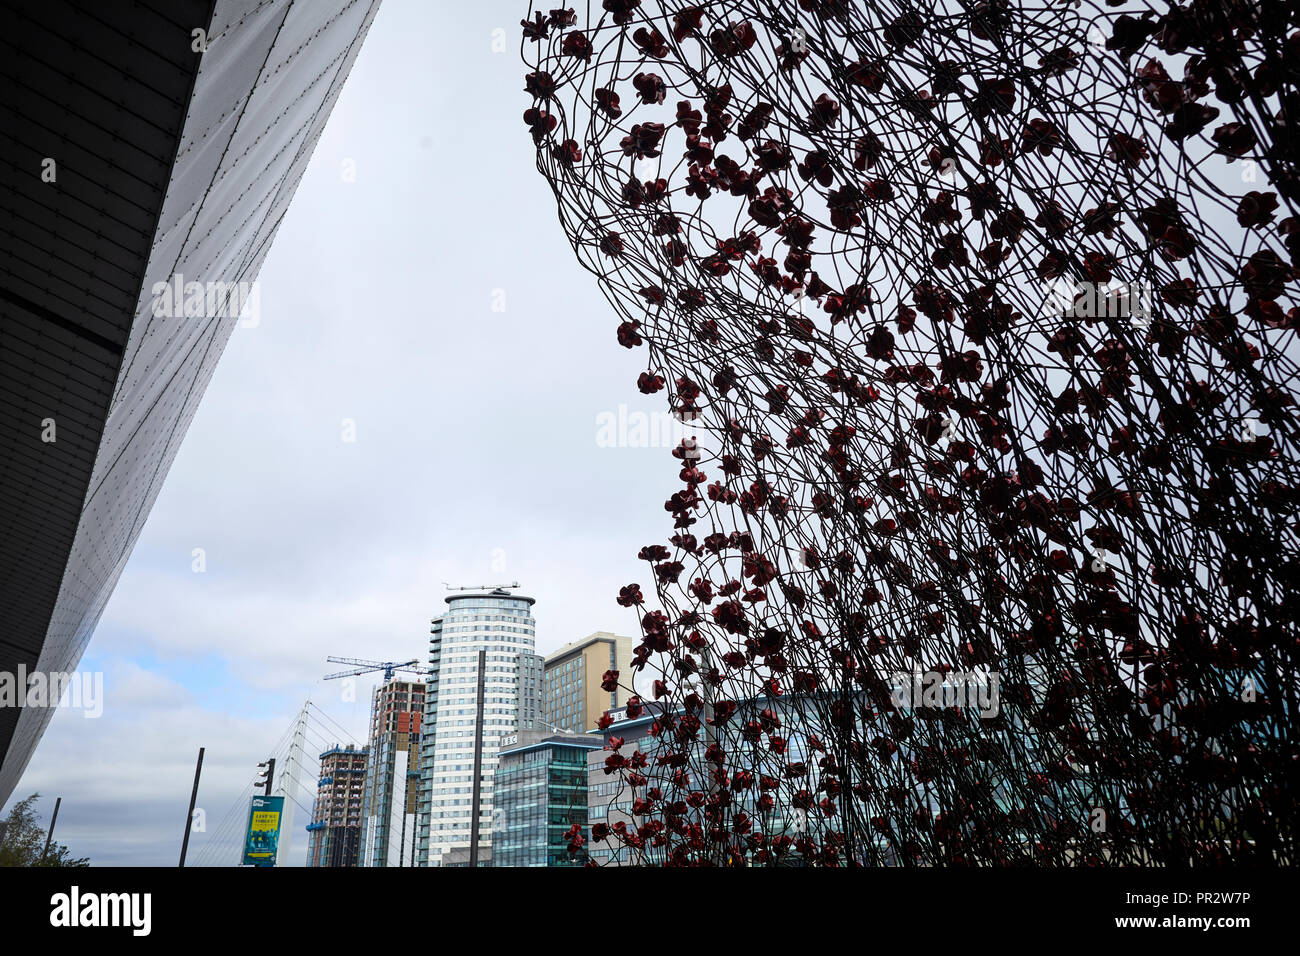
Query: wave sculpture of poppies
pixel 979 319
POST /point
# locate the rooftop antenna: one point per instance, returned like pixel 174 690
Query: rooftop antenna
pixel 483 587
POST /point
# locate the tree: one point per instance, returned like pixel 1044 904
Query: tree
pixel 24 840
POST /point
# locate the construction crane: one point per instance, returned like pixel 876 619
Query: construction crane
pixel 365 667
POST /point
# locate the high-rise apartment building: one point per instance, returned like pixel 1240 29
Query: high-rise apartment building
pixel 393 774
pixel 485 683
pixel 574 698
pixel 150 152
pixel 334 834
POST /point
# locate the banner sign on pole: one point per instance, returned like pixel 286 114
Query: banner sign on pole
pixel 263 831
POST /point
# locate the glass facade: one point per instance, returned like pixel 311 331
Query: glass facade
pixel 612 800
pixel 541 791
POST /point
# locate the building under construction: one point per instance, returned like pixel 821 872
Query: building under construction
pixel 335 829
pixel 393 771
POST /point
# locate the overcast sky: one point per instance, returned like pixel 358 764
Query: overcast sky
pixel 475 458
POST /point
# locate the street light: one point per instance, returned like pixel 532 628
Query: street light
pixel 264 777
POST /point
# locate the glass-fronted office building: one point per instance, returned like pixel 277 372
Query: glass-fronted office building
pixel 540 793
